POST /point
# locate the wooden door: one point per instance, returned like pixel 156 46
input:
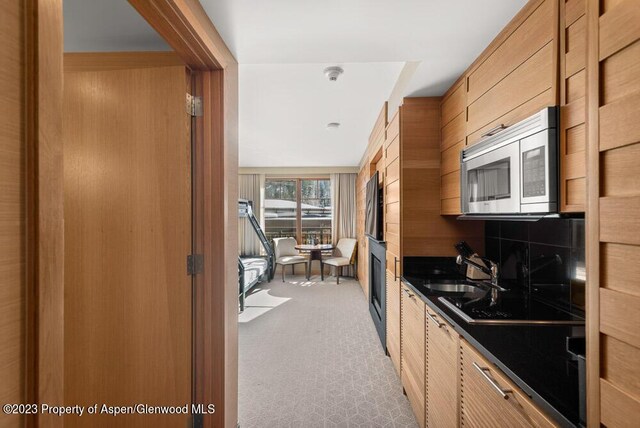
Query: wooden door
pixel 127 177
pixel 442 372
pixel 413 352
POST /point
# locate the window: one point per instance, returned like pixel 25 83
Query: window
pixel 300 208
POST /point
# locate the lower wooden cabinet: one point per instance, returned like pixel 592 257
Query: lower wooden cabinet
pixel 393 319
pixel 442 372
pixel 413 352
pixel 488 398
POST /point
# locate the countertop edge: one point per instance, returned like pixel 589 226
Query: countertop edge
pixel 457 326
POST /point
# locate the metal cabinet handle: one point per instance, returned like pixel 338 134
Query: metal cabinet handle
pixel 483 371
pixel 435 320
pixel 493 130
pixel 395 268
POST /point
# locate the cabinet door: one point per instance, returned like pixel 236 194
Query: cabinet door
pixel 393 320
pixel 488 398
pixel 442 372
pixel 413 352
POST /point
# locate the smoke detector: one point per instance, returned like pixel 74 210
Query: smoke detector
pixel 333 126
pixel 333 72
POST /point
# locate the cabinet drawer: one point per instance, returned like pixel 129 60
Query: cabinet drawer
pixel 489 398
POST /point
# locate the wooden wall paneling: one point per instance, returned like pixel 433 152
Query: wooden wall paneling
pixel 13 226
pixel 424 231
pixel 363 267
pixel 613 97
pixel 102 61
pixel 413 352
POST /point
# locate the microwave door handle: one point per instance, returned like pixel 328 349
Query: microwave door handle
pixel 493 130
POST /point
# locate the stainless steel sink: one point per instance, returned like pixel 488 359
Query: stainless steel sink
pixel 451 286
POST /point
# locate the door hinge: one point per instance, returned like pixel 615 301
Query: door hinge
pixel 195 264
pixel 194 105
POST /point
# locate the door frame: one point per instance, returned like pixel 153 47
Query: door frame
pixel 186 27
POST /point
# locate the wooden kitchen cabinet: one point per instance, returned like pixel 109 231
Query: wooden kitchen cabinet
pixel 393 320
pixel 413 351
pixel 453 137
pixel 442 408
pixel 517 75
pixel 488 398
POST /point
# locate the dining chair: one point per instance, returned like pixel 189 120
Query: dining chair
pixel 343 255
pixel 287 255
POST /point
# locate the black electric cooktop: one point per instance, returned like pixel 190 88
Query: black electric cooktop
pixel 509 308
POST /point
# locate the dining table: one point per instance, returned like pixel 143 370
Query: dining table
pixel 315 253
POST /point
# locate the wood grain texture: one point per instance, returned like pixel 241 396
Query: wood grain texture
pixel 535 32
pixel 424 231
pixel 615 269
pixel 413 352
pixel 127 233
pixel 393 318
pixel 13 237
pixel 45 207
pixel 621 175
pixel 454 102
pixel 442 373
pixel 531 78
pixel 620 365
pixel 363 255
pixel 619 316
pixel 186 27
pixel 482 406
pixel 102 61
pixel 618 28
pixel 618 409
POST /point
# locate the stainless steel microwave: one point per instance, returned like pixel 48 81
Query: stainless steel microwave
pixel 514 170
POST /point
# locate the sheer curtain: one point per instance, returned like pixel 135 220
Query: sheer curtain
pixel 343 208
pixel 250 187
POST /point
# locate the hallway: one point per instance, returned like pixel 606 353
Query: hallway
pixel 309 356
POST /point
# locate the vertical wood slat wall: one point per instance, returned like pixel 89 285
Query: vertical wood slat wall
pixel 613 212
pixel 573 59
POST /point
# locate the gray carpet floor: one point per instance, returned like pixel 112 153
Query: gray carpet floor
pixel 309 356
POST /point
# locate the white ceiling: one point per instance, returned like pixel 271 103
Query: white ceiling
pixel 284 111
pixel 283 45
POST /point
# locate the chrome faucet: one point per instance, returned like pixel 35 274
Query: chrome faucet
pixel 493 271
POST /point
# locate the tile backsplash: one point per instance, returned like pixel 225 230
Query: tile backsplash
pixel 546 257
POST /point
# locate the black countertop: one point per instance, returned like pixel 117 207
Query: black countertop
pixel 533 357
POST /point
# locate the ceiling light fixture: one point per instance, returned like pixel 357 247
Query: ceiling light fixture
pixel 333 73
pixel 333 126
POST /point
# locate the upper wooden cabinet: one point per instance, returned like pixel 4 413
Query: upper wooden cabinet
pixel 573 61
pixel 453 139
pixel 516 76
pixel 489 398
pixel 538 60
